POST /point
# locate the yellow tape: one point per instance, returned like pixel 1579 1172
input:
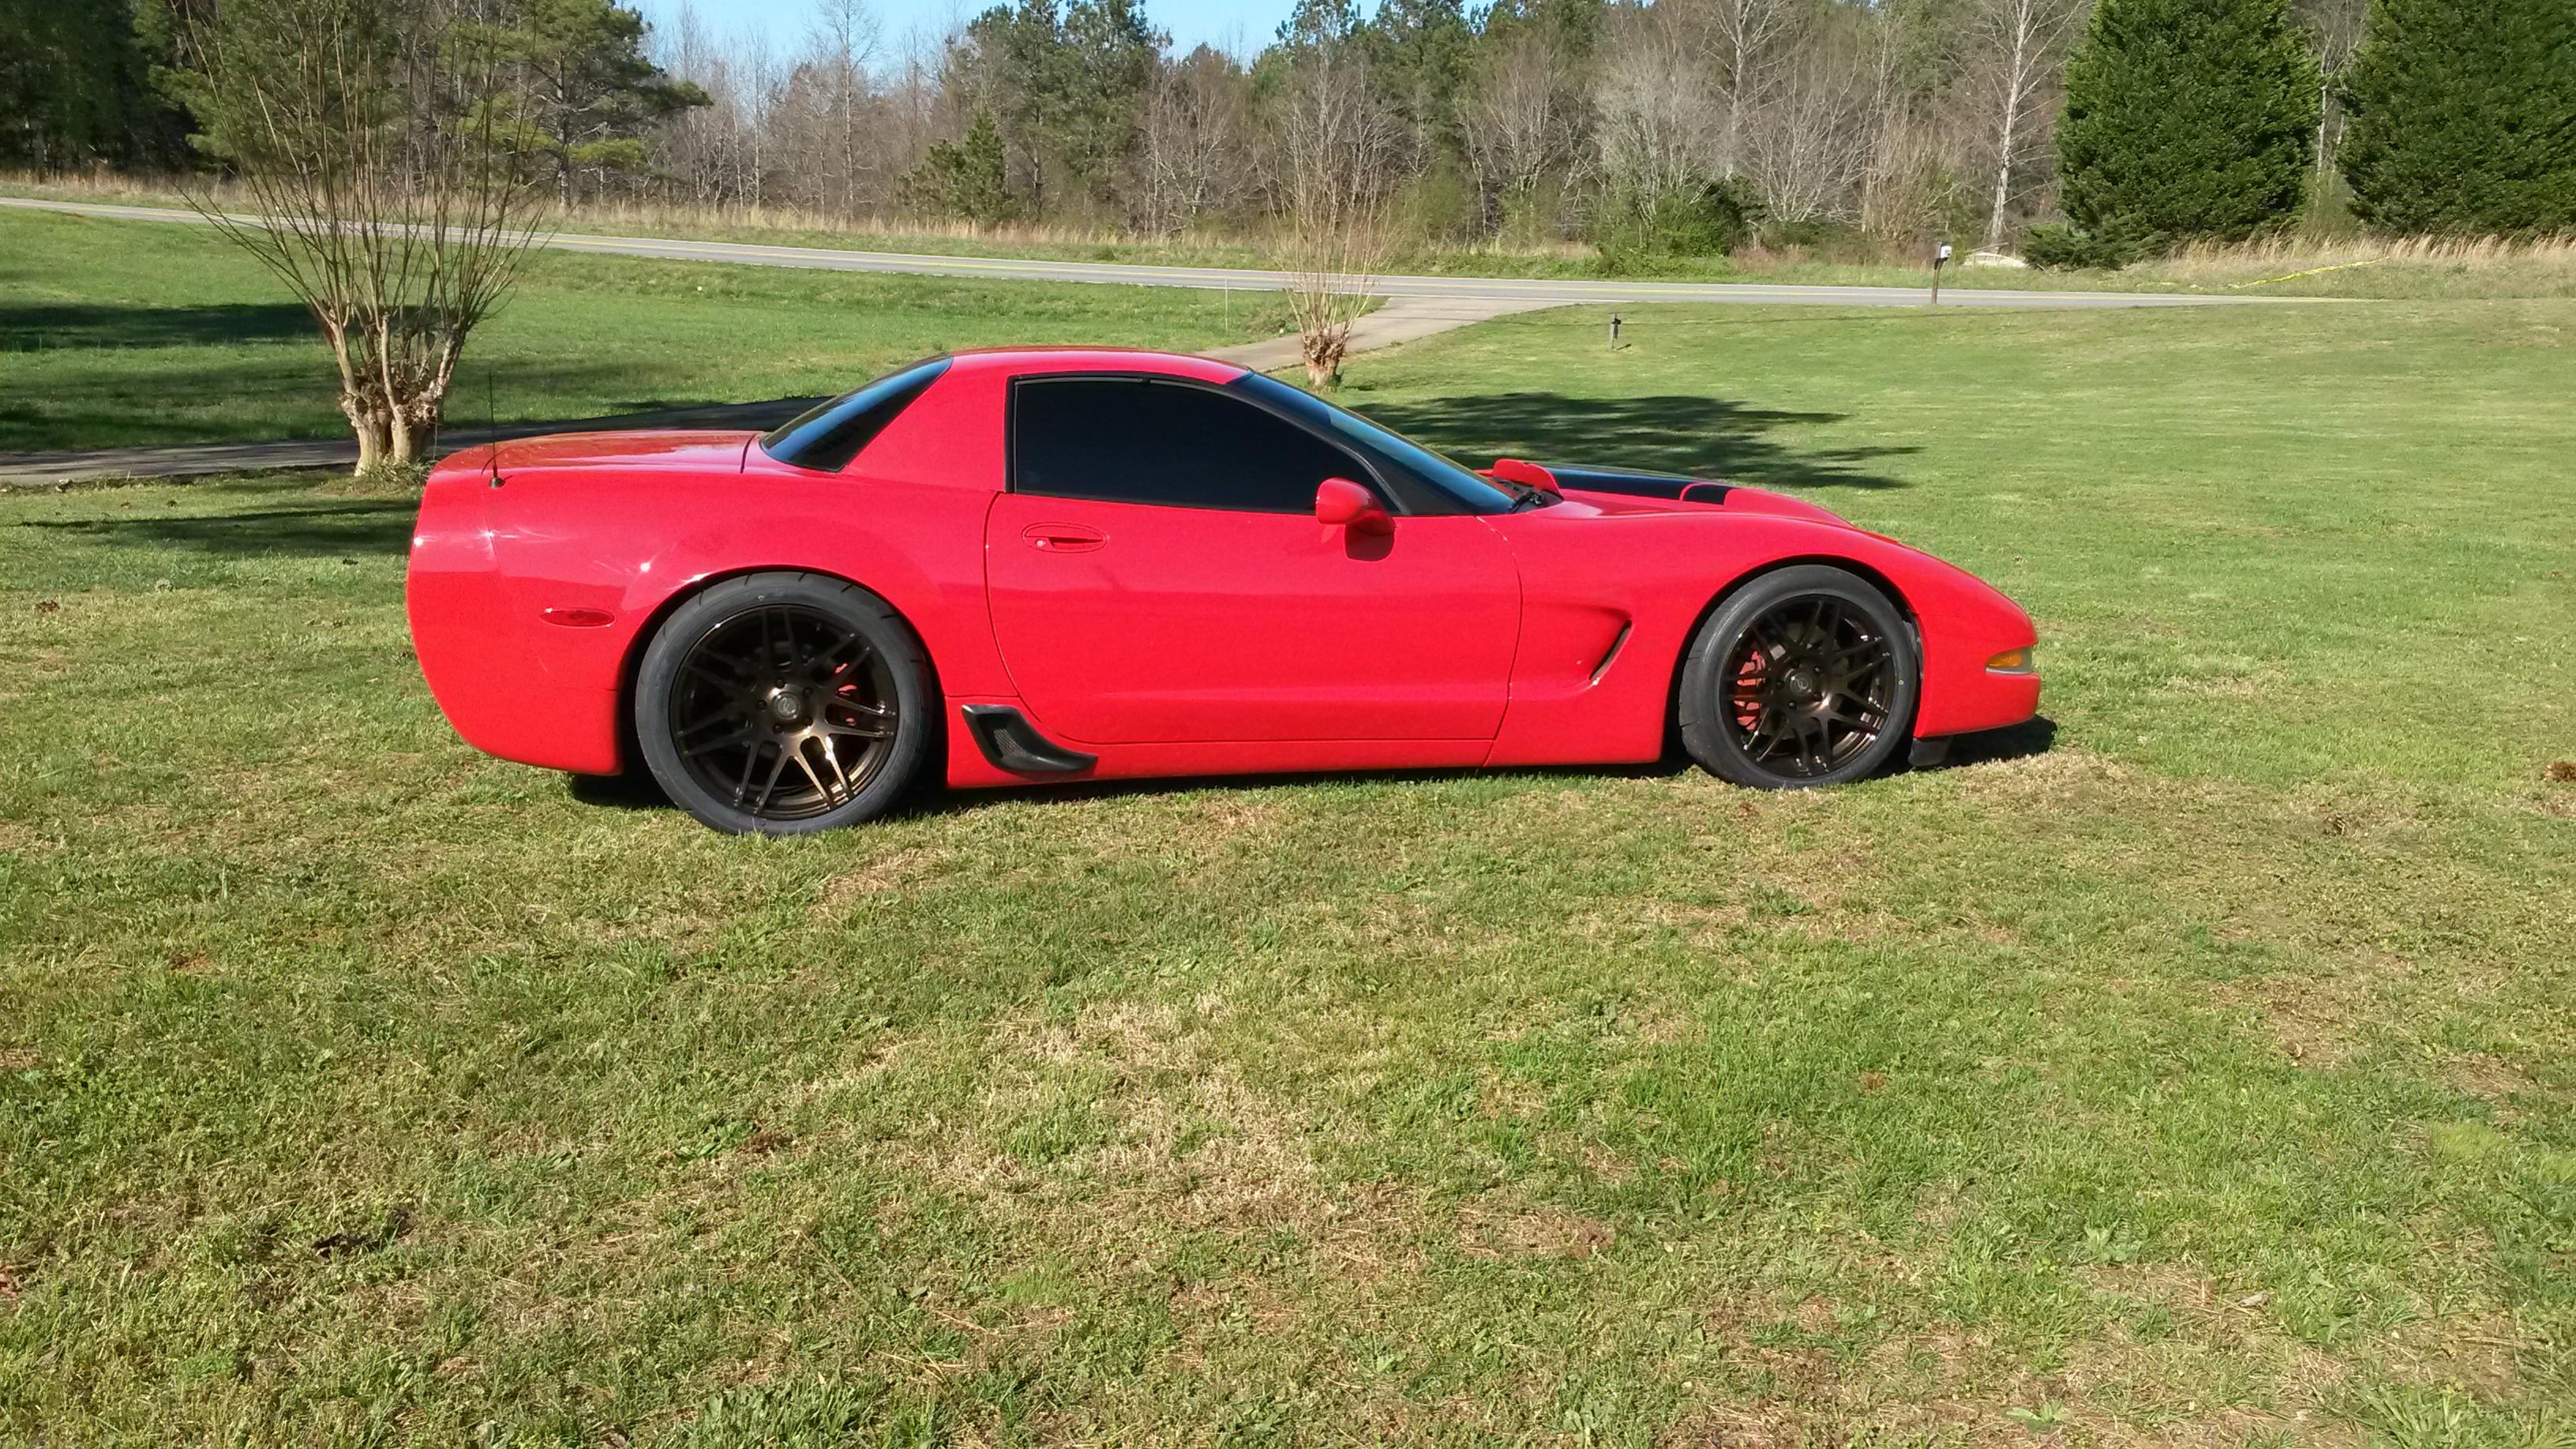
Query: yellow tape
pixel 2310 272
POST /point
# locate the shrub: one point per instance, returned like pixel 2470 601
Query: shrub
pixel 1440 206
pixel 2060 247
pixel 2190 118
pixel 1815 232
pixel 2464 117
pixel 1709 220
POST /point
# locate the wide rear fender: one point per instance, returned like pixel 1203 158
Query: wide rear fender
pixel 530 646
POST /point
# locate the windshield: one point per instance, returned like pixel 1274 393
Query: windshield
pixel 1471 492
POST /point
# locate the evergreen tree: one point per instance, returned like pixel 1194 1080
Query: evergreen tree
pixel 597 94
pixel 1418 52
pixel 2187 118
pixel 2464 117
pixel 968 178
pixel 1068 87
pixel 76 85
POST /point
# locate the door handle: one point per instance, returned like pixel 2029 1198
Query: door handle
pixel 1062 537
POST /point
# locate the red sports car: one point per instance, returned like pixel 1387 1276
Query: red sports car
pixel 1021 566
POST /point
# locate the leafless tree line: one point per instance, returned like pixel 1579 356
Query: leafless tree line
pixel 1895 118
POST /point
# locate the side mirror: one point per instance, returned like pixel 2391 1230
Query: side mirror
pixel 1342 503
pixel 1528 475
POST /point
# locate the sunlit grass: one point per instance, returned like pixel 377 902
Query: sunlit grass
pixel 2204 1076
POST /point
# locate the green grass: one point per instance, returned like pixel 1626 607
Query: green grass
pixel 2207 1077
pixel 117 333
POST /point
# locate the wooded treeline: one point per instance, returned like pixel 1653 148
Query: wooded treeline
pixel 1668 126
pixel 1645 128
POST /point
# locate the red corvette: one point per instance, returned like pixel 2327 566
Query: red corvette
pixel 1021 566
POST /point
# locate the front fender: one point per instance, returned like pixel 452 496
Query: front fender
pixel 1612 595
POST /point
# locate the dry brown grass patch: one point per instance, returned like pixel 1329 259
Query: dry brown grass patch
pixel 1184 1145
pixel 885 873
pixel 1498 1226
pixel 2054 777
pixel 2317 1020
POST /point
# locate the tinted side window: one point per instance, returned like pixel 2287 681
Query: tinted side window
pixel 1127 440
pixel 828 437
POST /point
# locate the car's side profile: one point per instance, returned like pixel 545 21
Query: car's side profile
pixel 1020 566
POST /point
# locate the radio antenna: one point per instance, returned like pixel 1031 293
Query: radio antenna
pixel 492 421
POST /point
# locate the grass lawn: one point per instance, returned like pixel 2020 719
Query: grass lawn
pixel 117 333
pixel 2208 1077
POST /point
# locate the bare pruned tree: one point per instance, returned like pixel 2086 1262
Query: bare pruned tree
pixel 393 182
pixel 2024 52
pixel 1335 144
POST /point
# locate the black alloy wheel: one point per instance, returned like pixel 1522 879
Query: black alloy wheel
pixel 1806 676
pixel 784 703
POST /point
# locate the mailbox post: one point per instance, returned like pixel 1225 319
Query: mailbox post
pixel 1940 256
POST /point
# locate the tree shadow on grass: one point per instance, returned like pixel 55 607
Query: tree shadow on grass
pixel 1701 437
pixel 347 528
pixel 105 395
pixel 34 328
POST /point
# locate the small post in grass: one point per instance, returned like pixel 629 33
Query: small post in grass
pixel 1940 254
pixel 1614 331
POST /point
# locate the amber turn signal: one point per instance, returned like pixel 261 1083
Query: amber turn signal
pixel 2012 661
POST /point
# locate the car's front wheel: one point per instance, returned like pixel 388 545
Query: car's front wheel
pixel 782 703
pixel 1805 676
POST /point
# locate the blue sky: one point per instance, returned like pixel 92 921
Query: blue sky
pixel 1240 25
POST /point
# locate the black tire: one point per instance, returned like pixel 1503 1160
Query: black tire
pixel 785 703
pixel 1806 676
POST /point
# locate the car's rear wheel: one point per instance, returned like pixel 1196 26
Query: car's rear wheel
pixel 783 703
pixel 1805 676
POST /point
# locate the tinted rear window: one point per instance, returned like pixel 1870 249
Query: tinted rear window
pixel 828 437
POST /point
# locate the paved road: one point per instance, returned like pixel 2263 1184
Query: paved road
pixel 1516 291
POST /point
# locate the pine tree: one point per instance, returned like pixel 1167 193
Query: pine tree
pixel 968 178
pixel 76 85
pixel 2464 117
pixel 2187 119
pixel 598 93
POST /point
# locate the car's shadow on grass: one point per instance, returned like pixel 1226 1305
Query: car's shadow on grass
pixel 636 790
pixel 1706 437
pixel 2034 736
